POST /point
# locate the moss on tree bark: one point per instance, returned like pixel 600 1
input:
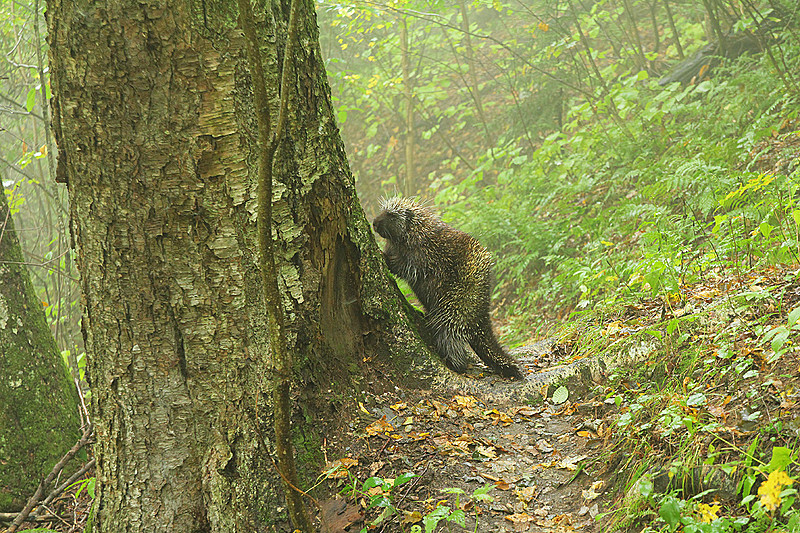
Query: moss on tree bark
pixel 39 418
pixel 156 136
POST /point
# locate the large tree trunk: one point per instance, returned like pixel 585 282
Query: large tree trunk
pixel 153 112
pixel 39 419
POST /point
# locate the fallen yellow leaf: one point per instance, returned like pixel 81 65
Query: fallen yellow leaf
pixel 411 518
pixel 465 401
pixel 338 468
pixel 518 518
pixel 487 451
pixel 379 426
pixel 526 494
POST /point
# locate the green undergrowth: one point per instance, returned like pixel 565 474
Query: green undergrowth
pixel 704 434
pixel 691 179
pixel 677 226
pixel 664 216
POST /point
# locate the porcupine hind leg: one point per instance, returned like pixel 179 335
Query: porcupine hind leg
pixel 485 345
pixel 450 344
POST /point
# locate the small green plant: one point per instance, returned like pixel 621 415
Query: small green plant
pixel 770 508
pixel 379 492
pixel 88 484
pixel 455 515
pixel 382 493
pixel 778 337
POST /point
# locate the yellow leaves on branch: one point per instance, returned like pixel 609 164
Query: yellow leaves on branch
pixel 770 490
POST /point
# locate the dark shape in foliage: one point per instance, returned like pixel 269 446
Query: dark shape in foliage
pixel 704 60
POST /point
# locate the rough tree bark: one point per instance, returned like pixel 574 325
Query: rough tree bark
pixel 154 122
pixel 39 416
pixel 268 142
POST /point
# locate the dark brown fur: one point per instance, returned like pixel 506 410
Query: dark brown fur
pixel 450 272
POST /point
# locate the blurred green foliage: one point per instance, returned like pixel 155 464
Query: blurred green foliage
pixel 543 130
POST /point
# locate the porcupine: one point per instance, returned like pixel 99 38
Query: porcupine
pixel 451 274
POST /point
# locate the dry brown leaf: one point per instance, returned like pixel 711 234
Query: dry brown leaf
pixel 440 440
pixel 590 494
pixel 707 294
pixel 571 463
pixel 468 439
pixel 487 451
pixel 526 494
pixel 519 517
pixel 399 406
pixel 465 401
pixel 525 410
pixel 458 446
pixel 338 468
pixel 411 518
pixel 339 515
pixel 441 408
pixel 374 467
pixel 567 408
pixel 562 520
pixel 497 417
pixel 379 426
pixel 727 399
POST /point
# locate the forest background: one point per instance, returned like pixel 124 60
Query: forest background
pixel 554 131
pixel 547 129
pixel 558 132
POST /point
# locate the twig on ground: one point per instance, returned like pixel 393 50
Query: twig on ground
pixel 414 482
pixel 61 488
pixel 33 500
pixel 8 517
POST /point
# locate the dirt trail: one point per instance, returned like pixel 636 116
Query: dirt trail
pixel 545 460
